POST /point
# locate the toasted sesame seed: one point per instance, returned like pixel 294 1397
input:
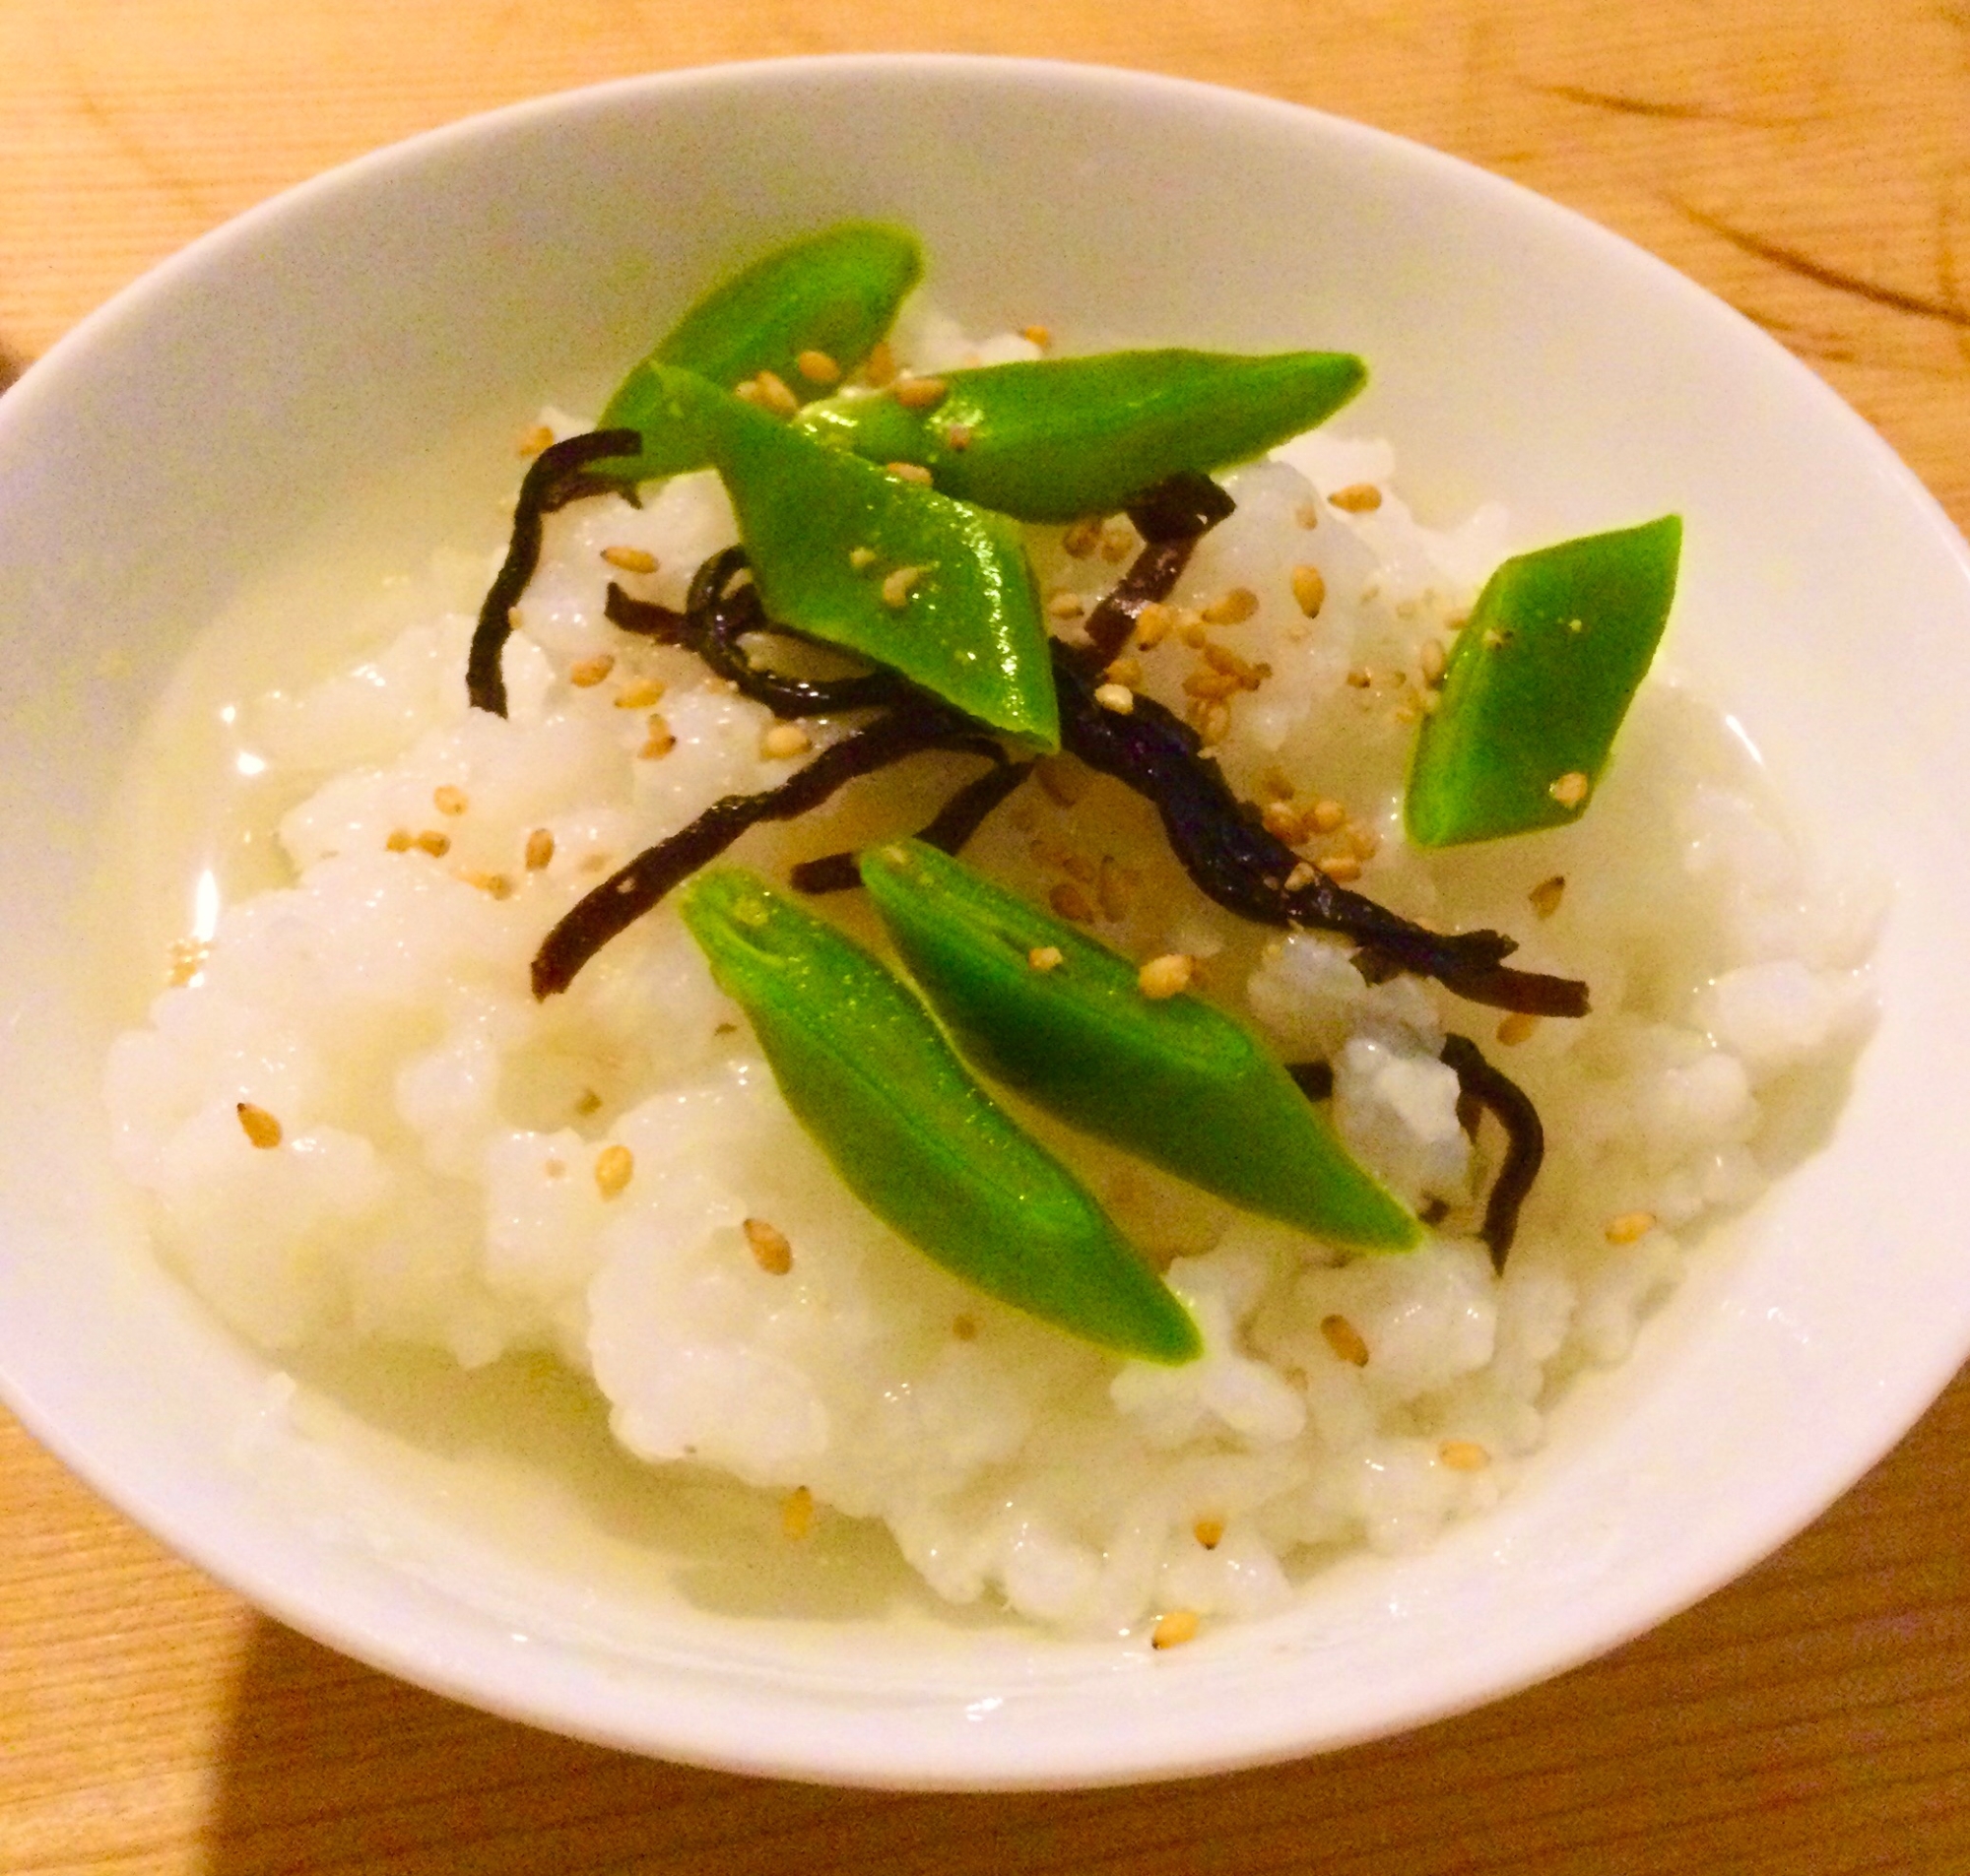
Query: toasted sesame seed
pixel 400 840
pixel 1044 959
pixel 1464 1455
pixel 540 849
pixel 1630 1227
pixel 1066 605
pixel 1571 789
pixel 1307 514
pixel 1309 589
pixel 1362 840
pixel 495 886
pixel 1283 822
pixel 1190 630
pixel 1205 682
pixel 770 1250
pixel 1405 712
pixel 1233 607
pixel 638 693
pixel 1520 1026
pixel 1344 1339
pixel 1116 697
pixel 1163 978
pixel 920 393
pixel 434 843
pixel 1215 721
pixel 1343 868
pixel 1069 902
pixel 615 1166
pixel 1118 538
pixel 1115 889
pixel 630 559
pixel 861 559
pixel 1042 336
pixel 1064 779
pixel 1327 815
pixel 774 395
pixel 1360 678
pixel 1302 876
pixel 880 366
pixel 257 1125
pixel 1357 499
pixel 588 1102
pixel 910 472
pixel 448 799
pixel 1152 624
pixel 1545 896
pixel 964 1328
pixel 586 673
pixel 957 436
pixel 1174 1627
pixel 1432 660
pixel 817 367
pixel 1079 866
pixel 658 741
pixel 536 439
pixel 897 585
pixel 784 741
pixel 797 1514
pixel 1209 1531
pixel 1081 538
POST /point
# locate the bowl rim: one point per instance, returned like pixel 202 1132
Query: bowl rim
pixel 422 1653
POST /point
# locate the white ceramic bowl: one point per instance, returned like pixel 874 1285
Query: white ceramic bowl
pixel 182 439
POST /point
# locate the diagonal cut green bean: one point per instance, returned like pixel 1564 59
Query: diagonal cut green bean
pixel 1536 687
pixel 832 293
pixel 1174 1079
pixel 1052 439
pixel 845 551
pixel 868 1074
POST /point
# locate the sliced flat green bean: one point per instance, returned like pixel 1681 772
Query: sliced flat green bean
pixel 845 551
pixel 1170 1078
pixel 832 293
pixel 1538 684
pixel 868 1074
pixel 1052 439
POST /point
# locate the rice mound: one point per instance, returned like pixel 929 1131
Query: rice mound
pixel 440 1131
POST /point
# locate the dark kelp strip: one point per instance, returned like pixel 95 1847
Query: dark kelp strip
pixel 554 479
pixel 626 894
pixel 948 832
pixel 1172 518
pixel 1484 1086
pixel 718 613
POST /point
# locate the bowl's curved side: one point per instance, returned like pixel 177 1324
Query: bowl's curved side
pixel 246 390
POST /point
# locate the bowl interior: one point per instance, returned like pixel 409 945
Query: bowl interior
pixel 293 386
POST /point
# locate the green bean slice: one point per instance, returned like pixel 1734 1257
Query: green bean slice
pixel 1053 439
pixel 832 293
pixel 1539 683
pixel 870 1077
pixel 847 552
pixel 1172 1079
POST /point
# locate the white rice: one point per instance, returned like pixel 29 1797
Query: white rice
pixel 440 1131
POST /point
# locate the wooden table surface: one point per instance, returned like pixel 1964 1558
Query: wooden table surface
pixel 1806 160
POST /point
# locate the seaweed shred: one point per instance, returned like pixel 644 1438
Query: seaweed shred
pixel 1480 1085
pixel 626 894
pixel 558 476
pixel 948 831
pixel 1173 516
pixel 718 613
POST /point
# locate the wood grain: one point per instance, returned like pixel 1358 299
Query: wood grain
pixel 1810 163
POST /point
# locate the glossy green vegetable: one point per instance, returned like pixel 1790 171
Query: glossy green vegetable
pixel 1053 439
pixel 834 292
pixel 871 1077
pixel 847 552
pixel 1538 684
pixel 1174 1079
